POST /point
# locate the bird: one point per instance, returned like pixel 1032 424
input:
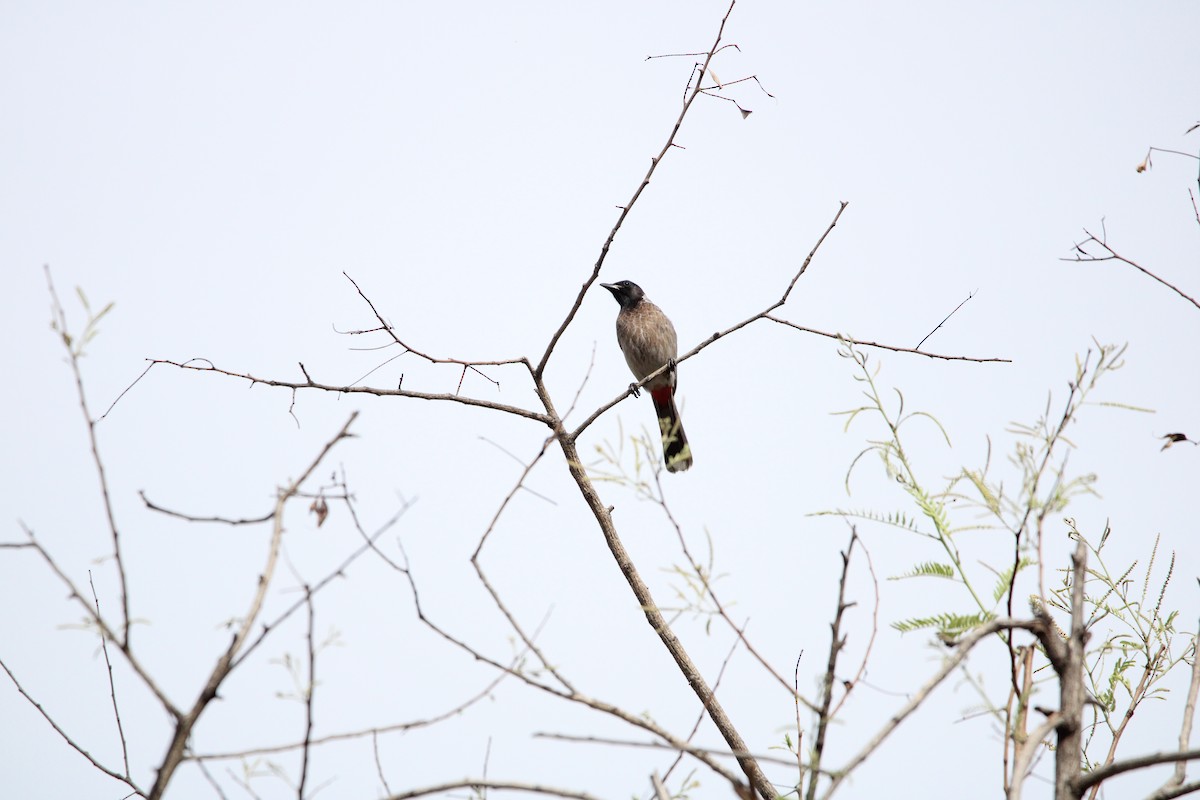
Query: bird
pixel 648 340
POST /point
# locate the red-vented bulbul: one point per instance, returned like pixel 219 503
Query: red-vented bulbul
pixel 648 340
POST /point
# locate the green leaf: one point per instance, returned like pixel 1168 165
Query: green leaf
pixel 929 569
pixel 948 625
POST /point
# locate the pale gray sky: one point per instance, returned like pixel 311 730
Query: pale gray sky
pixel 214 168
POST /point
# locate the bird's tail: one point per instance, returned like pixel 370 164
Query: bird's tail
pixel 677 455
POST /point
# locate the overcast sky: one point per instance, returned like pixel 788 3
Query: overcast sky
pixel 215 168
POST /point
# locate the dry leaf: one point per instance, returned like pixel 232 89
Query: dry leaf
pixel 319 508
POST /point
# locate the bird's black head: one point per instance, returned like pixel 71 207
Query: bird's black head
pixel 627 293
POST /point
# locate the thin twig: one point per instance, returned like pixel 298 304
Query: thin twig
pixel 123 393
pixel 690 749
pixel 77 595
pixel 379 763
pixel 1084 257
pixel 862 666
pixel 702 575
pixel 309 693
pixel 374 733
pixel 943 322
pixel 471 365
pixel 477 784
pixel 491 590
pixel 190 518
pixel 60 323
pixel 454 398
pixel 882 346
pixel 125 779
pixel 700 717
pixel 837 642
pixel 112 686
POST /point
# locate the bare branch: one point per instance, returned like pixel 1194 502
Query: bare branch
pixel 837 642
pixel 125 779
pixel 1178 791
pixel 951 663
pixel 124 392
pixel 491 590
pixel 74 350
pixel 466 365
pixel 1109 254
pixel 112 687
pixel 700 717
pixel 190 518
pixel 943 322
pixel 691 749
pixel 339 571
pixel 654 616
pixel 1023 757
pixel 636 720
pixel 1084 782
pixel 625 209
pixel 882 346
pixel 516 786
pixel 102 624
pixel 1185 730
pixel 469 401
pixel 310 691
pixel 225 664
pixel 374 733
pixel 862 667
pixel 702 575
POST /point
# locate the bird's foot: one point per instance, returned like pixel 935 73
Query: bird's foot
pixel 634 390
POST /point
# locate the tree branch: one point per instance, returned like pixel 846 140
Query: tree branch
pixel 309 384
pixel 882 346
pixel 225 664
pixel 625 209
pixel 951 663
pixel 74 349
pixel 516 786
pixel 1084 257
pixel 1083 782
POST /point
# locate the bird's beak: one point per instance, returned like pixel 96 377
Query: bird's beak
pixel 612 287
